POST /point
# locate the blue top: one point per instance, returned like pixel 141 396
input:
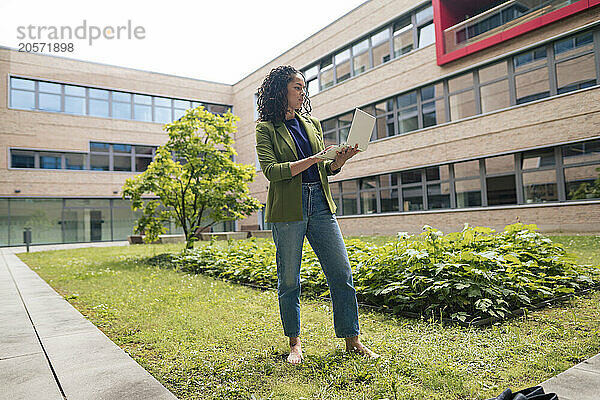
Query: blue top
pixel 303 148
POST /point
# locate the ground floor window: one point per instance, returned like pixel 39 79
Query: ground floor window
pixel 552 174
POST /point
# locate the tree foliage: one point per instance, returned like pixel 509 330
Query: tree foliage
pixel 193 179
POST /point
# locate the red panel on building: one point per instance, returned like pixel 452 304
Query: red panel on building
pixel 466 26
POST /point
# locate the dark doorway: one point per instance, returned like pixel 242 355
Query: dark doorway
pixel 95 225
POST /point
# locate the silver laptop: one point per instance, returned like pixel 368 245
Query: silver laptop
pixel 360 133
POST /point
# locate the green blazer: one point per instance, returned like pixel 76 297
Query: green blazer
pixel 276 149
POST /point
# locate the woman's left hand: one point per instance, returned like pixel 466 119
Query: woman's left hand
pixel 345 154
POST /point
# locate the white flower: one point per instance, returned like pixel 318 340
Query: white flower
pixel 403 235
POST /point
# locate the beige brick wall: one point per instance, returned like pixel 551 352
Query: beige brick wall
pixel 566 118
pixel 573 217
pixel 63 132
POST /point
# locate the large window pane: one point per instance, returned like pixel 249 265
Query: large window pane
pixel 381 47
pixel 360 47
pixel 89 224
pixel 424 15
pixel 17 83
pixel 49 102
pixel 576 73
pixel 368 202
pixel 74 161
pixel 408 120
pixel 142 113
pixel 22 159
pixel 385 126
pixel 532 85
pixel 50 161
pixel 387 180
pixel 466 169
pixel 408 177
pixel 426 35
pixel 75 105
pixel 162 114
pixel 462 105
pixel 412 199
pixel 98 94
pixel 342 71
pixel 460 82
pixel 123 221
pixel 537 159
pixel 501 190
pixel 468 193
pixel 437 173
pixel 326 74
pixel 403 37
pixel 495 96
pixel 581 152
pixel 122 97
pixel 389 200
pixel 122 163
pixel 98 162
pixel 75 90
pixel 582 182
pixel 142 163
pixel 48 87
pixel 492 72
pixel 434 113
pixel 360 63
pixel 4 222
pixel 540 186
pixel 573 45
pixel 313 87
pixel 22 100
pixel 530 59
pixel 121 110
pixel 98 108
pixel 43 216
pixel 500 164
pixel 349 204
pixel 438 196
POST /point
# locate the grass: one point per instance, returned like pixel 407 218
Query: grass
pixel 208 339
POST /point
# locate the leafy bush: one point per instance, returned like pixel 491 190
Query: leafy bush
pixel 469 275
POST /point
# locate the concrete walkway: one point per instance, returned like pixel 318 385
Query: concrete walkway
pixel 48 350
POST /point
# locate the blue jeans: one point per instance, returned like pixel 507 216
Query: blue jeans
pixel 323 233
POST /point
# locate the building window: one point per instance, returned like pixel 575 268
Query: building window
pixel 515 80
pixel 403 37
pixel 438 187
pixel 368 194
pixel 349 197
pixel 408 119
pixel 121 105
pixel 49 96
pixel 462 96
pixel 582 170
pixel 22 159
pixel 384 124
pixel 29 94
pixel 539 176
pixel 381 47
pixel 75 100
pixel 98 102
pixel 433 105
pixel 22 94
pixel 410 31
pixel 467 184
pixel 102 157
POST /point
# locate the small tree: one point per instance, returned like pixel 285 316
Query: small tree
pixel 194 177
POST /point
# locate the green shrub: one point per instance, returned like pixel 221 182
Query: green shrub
pixel 467 276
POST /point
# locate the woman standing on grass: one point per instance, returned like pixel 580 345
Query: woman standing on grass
pixel 299 204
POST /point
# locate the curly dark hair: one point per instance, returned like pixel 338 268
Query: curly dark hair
pixel 272 94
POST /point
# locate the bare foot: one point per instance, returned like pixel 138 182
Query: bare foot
pixel 353 345
pixel 295 356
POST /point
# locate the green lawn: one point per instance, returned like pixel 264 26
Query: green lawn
pixel 208 339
